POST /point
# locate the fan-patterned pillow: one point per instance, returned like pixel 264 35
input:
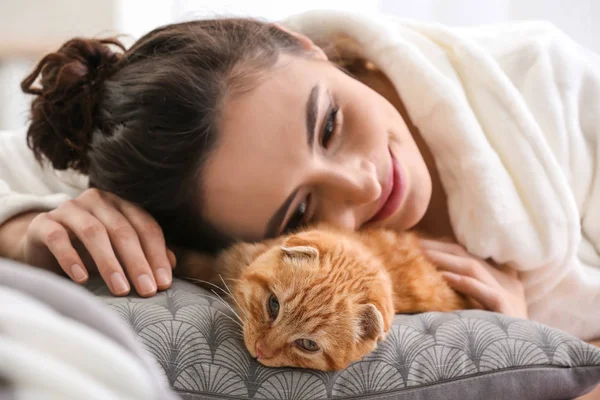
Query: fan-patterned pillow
pixel 461 355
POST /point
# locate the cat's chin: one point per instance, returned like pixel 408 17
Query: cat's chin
pixel 271 363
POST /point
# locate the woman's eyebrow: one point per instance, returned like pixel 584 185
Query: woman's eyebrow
pixel 312 112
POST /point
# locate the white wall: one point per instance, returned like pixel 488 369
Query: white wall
pixel 49 19
pixel 268 9
pixel 47 23
pixel 27 25
pixel 137 17
pixel 30 28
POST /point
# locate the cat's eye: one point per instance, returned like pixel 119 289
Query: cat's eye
pixel 307 345
pixel 273 307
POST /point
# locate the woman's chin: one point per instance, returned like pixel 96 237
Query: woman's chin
pixel 403 219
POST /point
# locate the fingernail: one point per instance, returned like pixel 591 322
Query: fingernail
pixel 163 277
pixel 146 285
pixel 119 283
pixel 78 273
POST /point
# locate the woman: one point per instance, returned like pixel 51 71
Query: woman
pixel 233 129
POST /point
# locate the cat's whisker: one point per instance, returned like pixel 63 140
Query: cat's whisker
pixel 238 335
pixel 229 317
pixel 232 296
pixel 228 306
pixel 232 320
pixel 207 283
pixel 227 292
pixel 239 323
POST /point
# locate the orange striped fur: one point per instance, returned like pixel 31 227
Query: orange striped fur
pixel 343 298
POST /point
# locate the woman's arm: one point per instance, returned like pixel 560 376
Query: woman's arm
pixel 51 221
pixel 94 230
pixel 26 189
pixel 11 233
pixel 25 185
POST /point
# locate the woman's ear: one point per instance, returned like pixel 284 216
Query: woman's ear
pixel 307 44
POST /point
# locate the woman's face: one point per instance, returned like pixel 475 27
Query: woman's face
pixel 312 144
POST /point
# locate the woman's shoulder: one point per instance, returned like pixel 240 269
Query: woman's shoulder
pixel 527 43
pixel 13 147
pixel 13 135
pixel 23 173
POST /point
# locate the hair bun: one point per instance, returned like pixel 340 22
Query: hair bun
pixel 63 112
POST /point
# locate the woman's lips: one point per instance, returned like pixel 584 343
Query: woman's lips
pixel 391 195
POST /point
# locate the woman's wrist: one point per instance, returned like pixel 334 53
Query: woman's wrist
pixel 12 233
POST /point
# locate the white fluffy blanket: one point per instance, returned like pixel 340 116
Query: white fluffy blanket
pixel 57 342
pixel 511 115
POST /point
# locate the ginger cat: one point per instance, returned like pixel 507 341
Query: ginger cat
pixel 323 298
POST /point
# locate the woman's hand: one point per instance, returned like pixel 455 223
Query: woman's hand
pixel 497 289
pixel 115 235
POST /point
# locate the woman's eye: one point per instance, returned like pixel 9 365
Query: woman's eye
pixel 273 307
pixel 307 345
pixel 298 218
pixel 329 128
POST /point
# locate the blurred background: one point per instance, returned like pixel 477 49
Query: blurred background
pixel 30 28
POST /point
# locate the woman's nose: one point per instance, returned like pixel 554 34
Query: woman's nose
pixel 355 181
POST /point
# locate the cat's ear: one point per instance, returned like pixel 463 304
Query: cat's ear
pixel 296 253
pixel 370 323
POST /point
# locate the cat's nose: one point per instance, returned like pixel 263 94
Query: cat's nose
pixel 263 352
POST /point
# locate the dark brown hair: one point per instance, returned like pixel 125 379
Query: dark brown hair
pixel 142 122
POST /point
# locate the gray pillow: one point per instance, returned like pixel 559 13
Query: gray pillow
pixel 460 355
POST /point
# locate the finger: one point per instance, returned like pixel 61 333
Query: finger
pixel 461 265
pixel 505 269
pixel 95 238
pixel 152 240
pixel 125 241
pixel 172 258
pixel 457 250
pixel 479 291
pixel 56 238
pixel 446 247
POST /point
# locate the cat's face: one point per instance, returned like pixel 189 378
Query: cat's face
pixel 311 305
